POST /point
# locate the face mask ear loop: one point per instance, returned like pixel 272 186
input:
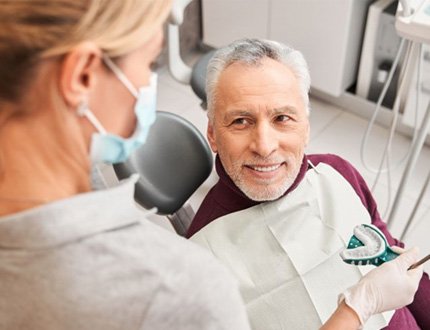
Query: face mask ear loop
pixel 120 75
pixel 84 111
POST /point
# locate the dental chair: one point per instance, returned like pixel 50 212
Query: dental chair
pixel 174 161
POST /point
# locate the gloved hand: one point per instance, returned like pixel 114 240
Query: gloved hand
pixel 386 287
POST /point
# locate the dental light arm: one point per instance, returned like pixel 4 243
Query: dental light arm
pixel 179 70
pixel 415 27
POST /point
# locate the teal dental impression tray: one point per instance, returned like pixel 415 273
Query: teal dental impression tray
pixel 368 246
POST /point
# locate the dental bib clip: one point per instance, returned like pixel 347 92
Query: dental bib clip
pixel 368 246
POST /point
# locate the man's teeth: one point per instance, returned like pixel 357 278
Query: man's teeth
pixel 265 168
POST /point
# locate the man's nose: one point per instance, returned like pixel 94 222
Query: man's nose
pixel 265 140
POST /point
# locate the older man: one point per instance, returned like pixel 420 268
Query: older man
pixel 282 217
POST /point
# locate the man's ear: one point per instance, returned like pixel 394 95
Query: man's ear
pixel 78 72
pixel 211 137
pixel 308 132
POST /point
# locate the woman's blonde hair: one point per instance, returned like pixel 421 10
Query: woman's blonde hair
pixel 35 29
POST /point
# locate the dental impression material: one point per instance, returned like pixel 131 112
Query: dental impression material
pixel 368 246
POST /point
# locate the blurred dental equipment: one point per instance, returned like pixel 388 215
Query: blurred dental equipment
pixel 413 25
pixel 178 69
pixel 195 76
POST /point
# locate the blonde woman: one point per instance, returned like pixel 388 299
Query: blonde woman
pixel 76 89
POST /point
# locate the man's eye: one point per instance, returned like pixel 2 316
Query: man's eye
pixel 282 118
pixel 240 121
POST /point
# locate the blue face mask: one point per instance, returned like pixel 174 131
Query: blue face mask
pixel 110 148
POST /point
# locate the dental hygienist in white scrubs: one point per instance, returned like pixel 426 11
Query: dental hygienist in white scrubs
pixel 76 89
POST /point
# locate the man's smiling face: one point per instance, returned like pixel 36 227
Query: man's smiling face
pixel 260 127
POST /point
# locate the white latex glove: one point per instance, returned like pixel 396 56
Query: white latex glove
pixel 386 287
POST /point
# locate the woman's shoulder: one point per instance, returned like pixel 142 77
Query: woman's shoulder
pixel 192 274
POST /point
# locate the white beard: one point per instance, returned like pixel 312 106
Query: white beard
pixel 267 192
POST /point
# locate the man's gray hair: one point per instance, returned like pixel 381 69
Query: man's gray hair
pixel 251 52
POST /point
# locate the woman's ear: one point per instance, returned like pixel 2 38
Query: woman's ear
pixel 78 73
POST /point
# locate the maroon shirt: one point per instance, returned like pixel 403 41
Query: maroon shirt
pixel 225 198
